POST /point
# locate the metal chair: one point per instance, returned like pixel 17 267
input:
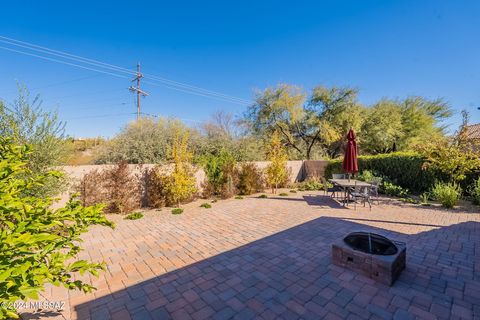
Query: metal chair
pixel 374 189
pixel 360 192
pixel 333 190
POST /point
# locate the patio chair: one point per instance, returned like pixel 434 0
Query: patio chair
pixel 374 189
pixel 338 176
pixel 333 190
pixel 360 192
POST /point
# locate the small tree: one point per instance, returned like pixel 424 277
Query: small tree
pixel 26 122
pixel 276 172
pixel 38 245
pixel 180 185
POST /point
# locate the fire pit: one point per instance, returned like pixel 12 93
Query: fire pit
pixel 372 255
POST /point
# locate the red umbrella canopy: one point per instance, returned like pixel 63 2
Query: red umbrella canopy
pixel 350 162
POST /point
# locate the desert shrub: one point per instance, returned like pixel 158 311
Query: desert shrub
pixel 91 188
pixel 394 190
pixel 122 188
pixel 448 194
pixel 405 169
pixel 369 176
pixel 474 192
pixel 283 194
pixel 180 185
pixel 177 210
pixel 26 122
pixel 276 172
pixel 221 173
pixel 424 197
pixel 238 197
pixel 250 179
pixel 263 196
pixel 311 184
pixel 38 245
pixel 117 187
pixel 142 141
pixel 155 179
pixel 134 216
pixel 206 205
pixel 293 191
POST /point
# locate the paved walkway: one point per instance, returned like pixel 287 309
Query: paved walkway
pixel 270 259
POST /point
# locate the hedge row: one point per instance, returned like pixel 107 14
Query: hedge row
pixel 402 168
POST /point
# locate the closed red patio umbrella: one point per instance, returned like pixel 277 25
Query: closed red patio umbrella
pixel 350 161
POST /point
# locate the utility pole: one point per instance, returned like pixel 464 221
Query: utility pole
pixel 137 89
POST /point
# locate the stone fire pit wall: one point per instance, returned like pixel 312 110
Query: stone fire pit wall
pixel 382 268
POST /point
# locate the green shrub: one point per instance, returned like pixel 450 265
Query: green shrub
pixel 263 196
pixel 250 179
pixel 424 197
pixel 239 197
pixel 311 184
pixel 177 210
pixel 405 169
pixel 134 216
pixel 393 190
pixel 221 174
pixel 25 121
pixel 283 194
pixel 206 205
pixel 474 192
pixel 38 245
pixel 293 191
pixel 448 194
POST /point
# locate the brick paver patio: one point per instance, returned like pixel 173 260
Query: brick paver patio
pixel 270 259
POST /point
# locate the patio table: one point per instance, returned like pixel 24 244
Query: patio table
pixel 348 183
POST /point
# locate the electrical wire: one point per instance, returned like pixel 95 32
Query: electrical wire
pixel 102 116
pixel 171 84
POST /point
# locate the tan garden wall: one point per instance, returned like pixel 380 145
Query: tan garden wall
pixel 299 171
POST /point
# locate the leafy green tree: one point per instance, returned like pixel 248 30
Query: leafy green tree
pixel 276 172
pixel 38 245
pixel 382 128
pixel 335 110
pixel 25 121
pixel 309 129
pixel 422 121
pixel 180 185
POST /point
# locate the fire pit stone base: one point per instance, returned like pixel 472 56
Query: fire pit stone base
pixel 382 268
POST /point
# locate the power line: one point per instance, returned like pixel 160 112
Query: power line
pixel 64 62
pixel 171 84
pixel 102 116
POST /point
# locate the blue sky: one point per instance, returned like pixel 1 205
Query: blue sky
pixel 383 48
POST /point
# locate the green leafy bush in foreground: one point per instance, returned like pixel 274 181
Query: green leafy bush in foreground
pixel 38 245
pixel 134 216
pixel 393 190
pixel 448 194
